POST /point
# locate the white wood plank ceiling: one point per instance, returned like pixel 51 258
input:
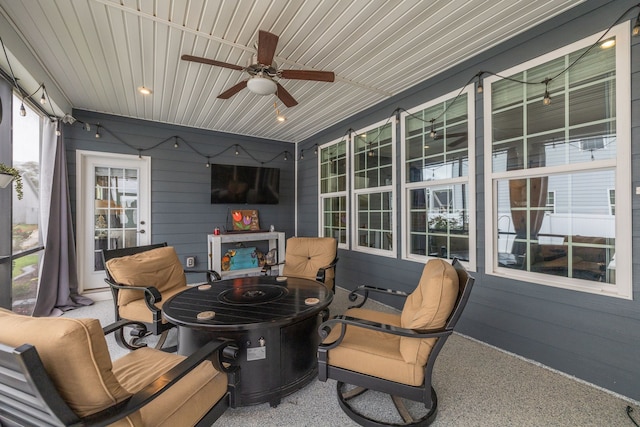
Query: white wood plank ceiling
pixel 98 52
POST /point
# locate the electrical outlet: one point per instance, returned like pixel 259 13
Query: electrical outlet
pixel 190 261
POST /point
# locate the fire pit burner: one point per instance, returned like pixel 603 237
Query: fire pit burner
pixel 254 294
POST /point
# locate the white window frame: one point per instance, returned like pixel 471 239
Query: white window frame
pixel 344 193
pixel 621 165
pixel 552 205
pixel 469 180
pixel 382 189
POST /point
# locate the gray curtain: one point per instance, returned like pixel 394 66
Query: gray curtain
pixel 58 287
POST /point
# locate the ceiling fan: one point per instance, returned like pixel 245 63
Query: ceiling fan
pixel 263 69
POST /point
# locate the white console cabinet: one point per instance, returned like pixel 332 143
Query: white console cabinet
pixel 276 241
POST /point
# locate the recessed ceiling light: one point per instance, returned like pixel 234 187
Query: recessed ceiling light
pixel 144 90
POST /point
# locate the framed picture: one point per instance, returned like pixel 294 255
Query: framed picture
pixel 246 220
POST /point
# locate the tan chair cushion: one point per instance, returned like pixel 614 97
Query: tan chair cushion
pixel 138 310
pixel 428 307
pixel 185 402
pixel 159 268
pixel 74 353
pixel 306 255
pixel 372 352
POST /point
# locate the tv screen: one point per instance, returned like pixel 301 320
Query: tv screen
pixel 245 184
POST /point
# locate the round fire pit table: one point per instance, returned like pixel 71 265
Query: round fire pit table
pixel 273 320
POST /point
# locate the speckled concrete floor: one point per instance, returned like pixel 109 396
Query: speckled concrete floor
pixel 477 385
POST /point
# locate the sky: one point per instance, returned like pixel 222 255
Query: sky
pixel 26 133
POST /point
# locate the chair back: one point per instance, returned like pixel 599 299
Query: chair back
pixel 464 290
pixel 305 256
pixel 158 267
pixel 108 254
pixel 75 355
pixel 429 306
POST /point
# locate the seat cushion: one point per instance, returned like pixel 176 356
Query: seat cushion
pixel 74 353
pixel 306 255
pixel 159 268
pixel 371 352
pixel 138 310
pixel 428 307
pixel 185 402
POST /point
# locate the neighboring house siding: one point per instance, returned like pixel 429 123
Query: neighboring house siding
pixel 29 205
pixel 592 337
pixel 181 211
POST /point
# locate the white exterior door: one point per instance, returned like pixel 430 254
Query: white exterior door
pixel 113 209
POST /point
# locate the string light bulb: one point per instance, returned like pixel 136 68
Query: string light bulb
pixel 98 132
pixel 285 156
pixel 547 98
pixel 87 127
pixel 23 111
pixel 480 87
pixel 43 99
pixel 237 151
pixel 208 162
pixel 301 154
pixel 636 27
pixel 315 149
pixel 433 132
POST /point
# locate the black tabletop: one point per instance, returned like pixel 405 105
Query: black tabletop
pixel 243 303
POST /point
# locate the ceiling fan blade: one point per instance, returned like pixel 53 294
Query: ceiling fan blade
pixel 267 43
pixel 233 90
pixel 320 76
pixel 211 62
pixel 285 96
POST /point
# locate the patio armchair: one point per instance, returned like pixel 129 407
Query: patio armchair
pixel 141 279
pixel 394 353
pixel 312 258
pixel 58 371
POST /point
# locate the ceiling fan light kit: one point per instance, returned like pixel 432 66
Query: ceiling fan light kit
pixel 261 85
pixel 262 69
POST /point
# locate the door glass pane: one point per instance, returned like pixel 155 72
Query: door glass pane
pixel 115 210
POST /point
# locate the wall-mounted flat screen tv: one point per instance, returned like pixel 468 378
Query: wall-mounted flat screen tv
pixel 245 184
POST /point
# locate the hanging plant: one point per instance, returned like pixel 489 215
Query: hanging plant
pixel 16 177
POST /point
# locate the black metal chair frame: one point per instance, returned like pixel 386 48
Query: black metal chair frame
pixel 424 393
pixel 28 396
pixel 151 297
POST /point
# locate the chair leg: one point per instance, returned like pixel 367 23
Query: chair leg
pixel 402 410
pixel 161 340
pixel 127 345
pixel 364 420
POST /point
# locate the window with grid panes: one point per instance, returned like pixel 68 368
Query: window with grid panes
pixel 373 189
pixel 576 147
pixel 333 166
pixel 437 176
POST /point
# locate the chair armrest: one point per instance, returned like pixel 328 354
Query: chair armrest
pixel 212 275
pixel 112 327
pixel 212 350
pixel 321 274
pixel 325 328
pixel 365 289
pixel 151 294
